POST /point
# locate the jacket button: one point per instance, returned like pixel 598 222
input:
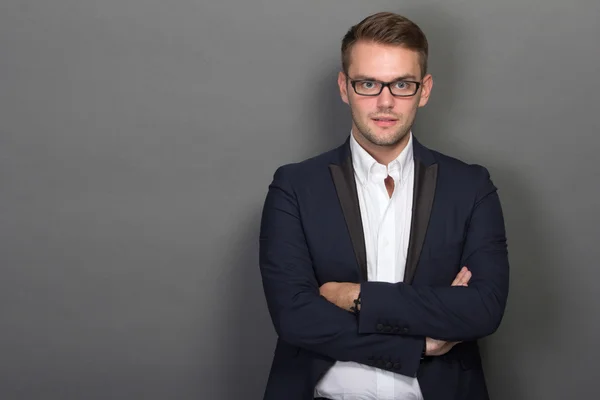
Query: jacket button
pixel 405 330
pixel 397 366
pixel 396 329
pixel 387 329
pixel 389 365
pixel 379 327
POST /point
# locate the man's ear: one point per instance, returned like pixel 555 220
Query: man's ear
pixel 426 90
pixel 342 83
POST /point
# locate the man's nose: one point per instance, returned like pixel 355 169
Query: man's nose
pixel 385 98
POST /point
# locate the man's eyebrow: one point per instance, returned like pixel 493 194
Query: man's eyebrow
pixel 399 78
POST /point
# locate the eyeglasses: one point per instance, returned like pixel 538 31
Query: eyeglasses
pixel 399 88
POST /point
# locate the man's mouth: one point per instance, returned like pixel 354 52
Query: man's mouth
pixel 385 121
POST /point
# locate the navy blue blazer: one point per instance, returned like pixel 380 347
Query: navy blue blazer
pixel 311 233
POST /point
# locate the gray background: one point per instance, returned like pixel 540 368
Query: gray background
pixel 138 138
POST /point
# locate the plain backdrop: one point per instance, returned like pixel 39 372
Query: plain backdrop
pixel 138 139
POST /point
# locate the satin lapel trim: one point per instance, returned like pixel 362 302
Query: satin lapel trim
pixel 424 193
pixel 345 185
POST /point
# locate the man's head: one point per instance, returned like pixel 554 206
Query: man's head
pixel 390 49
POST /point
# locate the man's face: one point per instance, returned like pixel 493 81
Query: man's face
pixel 383 120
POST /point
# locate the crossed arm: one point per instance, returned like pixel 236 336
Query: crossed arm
pixel 302 316
pixel 344 294
pixel 445 313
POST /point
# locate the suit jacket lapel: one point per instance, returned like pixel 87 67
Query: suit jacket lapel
pixel 423 195
pixel 345 185
pixel 426 170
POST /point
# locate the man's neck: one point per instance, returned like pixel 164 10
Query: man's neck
pixel 382 154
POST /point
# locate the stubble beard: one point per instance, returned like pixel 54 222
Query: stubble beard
pixel 389 140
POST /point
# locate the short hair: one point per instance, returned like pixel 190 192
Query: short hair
pixel 386 28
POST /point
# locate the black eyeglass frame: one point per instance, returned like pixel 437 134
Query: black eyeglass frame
pixel 353 83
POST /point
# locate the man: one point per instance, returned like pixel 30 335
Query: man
pixel 383 262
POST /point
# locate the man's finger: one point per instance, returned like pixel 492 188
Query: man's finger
pixel 458 277
pixel 458 281
pixel 468 276
pixel 463 277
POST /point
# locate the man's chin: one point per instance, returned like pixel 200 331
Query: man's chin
pixel 385 139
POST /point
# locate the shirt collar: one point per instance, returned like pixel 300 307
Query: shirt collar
pixel 367 168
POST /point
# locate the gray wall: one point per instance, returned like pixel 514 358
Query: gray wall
pixel 138 138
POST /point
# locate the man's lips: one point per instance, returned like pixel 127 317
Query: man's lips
pixel 384 121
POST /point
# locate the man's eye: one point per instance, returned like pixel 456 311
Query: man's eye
pixel 401 85
pixel 368 85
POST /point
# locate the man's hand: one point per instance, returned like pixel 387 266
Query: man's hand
pixel 342 294
pixel 435 347
pixel 462 278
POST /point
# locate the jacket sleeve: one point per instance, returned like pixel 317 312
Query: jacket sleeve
pixel 450 313
pixel 300 315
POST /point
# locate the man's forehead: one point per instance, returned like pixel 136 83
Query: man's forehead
pixel 383 62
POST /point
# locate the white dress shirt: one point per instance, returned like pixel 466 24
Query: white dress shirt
pixel 386 223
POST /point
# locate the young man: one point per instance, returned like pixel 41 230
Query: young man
pixel 383 262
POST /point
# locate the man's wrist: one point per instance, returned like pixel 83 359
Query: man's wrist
pixel 355 300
